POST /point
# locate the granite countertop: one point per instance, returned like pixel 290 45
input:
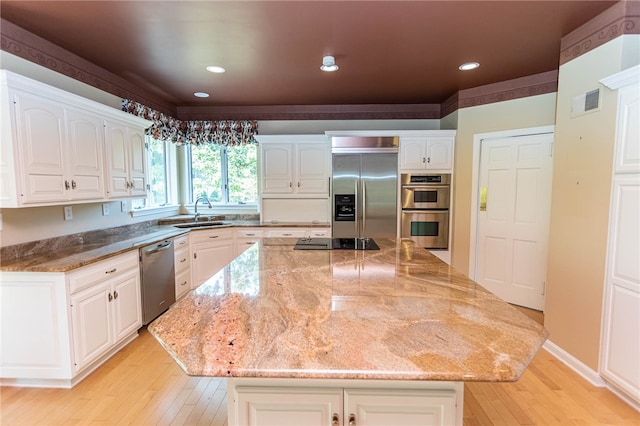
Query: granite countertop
pixel 398 313
pixel 67 253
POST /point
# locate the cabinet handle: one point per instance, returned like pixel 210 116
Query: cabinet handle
pixel 214 236
pixel 110 297
pixel 183 260
pixel 250 243
pixel 428 159
pixel 249 235
pixel 115 294
pixel 352 420
pixel 424 160
pixel 73 184
pixel 181 243
pixel 298 184
pixel 111 271
pixel 66 184
pixel 335 419
pixel 287 235
pixel 195 255
pixel 184 283
pixel 133 184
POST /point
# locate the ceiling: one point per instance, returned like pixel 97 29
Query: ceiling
pixel 389 52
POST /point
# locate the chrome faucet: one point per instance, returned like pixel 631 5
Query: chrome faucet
pixel 195 207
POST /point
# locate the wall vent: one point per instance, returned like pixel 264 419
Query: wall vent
pixel 585 102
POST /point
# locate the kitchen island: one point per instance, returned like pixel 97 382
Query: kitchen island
pixel 294 327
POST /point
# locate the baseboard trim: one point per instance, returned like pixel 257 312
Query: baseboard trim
pixel 575 364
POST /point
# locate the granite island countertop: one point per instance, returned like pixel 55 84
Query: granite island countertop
pixel 398 313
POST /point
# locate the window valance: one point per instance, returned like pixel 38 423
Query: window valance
pixel 194 132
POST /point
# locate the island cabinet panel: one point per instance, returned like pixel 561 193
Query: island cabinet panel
pixel 320 406
pixel 376 407
pixel 258 406
pixel 212 250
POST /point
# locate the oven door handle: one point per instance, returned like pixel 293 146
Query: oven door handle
pixel 427 211
pixel 425 186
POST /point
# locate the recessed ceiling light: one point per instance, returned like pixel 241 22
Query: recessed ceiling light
pixel 329 64
pixel 201 95
pixel 216 69
pixel 468 66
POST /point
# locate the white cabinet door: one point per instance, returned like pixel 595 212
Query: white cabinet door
pixel 212 250
pixel 439 154
pixel 295 166
pixel 86 158
pixel 258 406
pixel 127 309
pixel 209 259
pixel 42 139
pixel 312 168
pixel 126 161
pixel 92 325
pixel 137 162
pixel 429 153
pixel 380 407
pixel 413 153
pixel 277 169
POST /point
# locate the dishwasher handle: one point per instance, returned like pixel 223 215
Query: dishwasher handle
pixel 160 247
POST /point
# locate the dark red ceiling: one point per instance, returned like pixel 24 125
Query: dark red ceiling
pixel 389 52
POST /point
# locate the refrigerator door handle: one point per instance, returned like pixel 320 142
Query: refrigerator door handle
pixel 356 224
pixel 364 209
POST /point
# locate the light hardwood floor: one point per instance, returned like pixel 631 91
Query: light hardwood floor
pixel 141 385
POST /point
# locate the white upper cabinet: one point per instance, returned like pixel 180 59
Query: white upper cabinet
pixel 53 150
pixel 294 166
pixel 126 153
pixel 427 153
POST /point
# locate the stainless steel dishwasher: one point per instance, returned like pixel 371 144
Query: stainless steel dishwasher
pixel 157 280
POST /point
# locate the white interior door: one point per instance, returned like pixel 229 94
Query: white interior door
pixel 513 217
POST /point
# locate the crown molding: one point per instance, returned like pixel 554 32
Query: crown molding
pixel 26 45
pixel 620 19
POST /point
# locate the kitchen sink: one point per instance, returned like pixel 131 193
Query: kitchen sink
pixel 201 224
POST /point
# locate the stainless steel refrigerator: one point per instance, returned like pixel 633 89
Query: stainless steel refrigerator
pixel 364 187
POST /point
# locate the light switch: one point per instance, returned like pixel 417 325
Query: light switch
pixel 105 209
pixel 68 213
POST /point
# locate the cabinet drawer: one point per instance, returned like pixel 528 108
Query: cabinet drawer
pixel 183 283
pixel 181 242
pixel 319 232
pixel 90 275
pixel 249 233
pixel 182 260
pixel 210 235
pixel 288 233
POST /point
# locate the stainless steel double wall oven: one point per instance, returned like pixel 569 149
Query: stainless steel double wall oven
pixel 425 209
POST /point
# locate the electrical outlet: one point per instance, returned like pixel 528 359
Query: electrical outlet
pixel 123 206
pixel 105 209
pixel 68 213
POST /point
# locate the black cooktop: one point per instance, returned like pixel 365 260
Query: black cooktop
pixel 336 244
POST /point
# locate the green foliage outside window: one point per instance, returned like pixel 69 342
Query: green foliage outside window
pixel 225 174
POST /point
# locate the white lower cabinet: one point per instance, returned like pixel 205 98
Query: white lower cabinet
pixel 212 250
pixel 182 261
pixel 58 327
pixel 246 237
pixel 107 312
pixel 390 403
